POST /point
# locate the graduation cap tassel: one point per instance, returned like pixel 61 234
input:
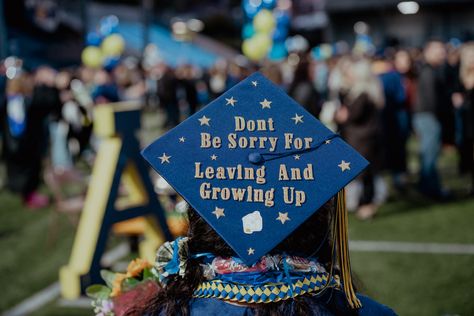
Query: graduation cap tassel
pixel 343 251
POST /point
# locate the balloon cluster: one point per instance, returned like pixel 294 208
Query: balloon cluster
pixel 265 30
pixel 104 46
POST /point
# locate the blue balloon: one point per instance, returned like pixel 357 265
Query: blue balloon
pixel 108 25
pixel 110 63
pixel 278 51
pixel 280 33
pixel 105 29
pixel 250 9
pixel 112 20
pixel 248 31
pixel 93 39
pixel 269 4
pixel 282 18
pixel 316 53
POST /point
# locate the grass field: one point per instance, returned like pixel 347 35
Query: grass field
pixel 33 245
pixel 419 284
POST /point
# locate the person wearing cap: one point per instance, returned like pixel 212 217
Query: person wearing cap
pixel 264 181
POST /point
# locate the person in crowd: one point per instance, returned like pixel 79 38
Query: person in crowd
pixel 3 88
pixel 320 75
pixel 76 114
pixel 151 86
pixel 105 90
pixel 394 122
pixel 218 78
pixel 447 112
pixel 273 72
pixel 337 82
pixel 405 66
pixel 234 75
pixel 22 173
pixel 202 91
pixel 3 83
pixel 456 87
pixel 25 137
pixel 466 106
pixel 187 86
pixel 167 93
pixel 302 88
pixel 361 100
pixel 58 128
pixel 86 76
pixel 429 100
pixel 79 112
pixel 46 97
pixel 129 80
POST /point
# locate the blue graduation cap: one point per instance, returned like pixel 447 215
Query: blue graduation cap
pixel 255 165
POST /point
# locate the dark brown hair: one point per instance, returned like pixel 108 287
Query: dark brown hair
pixel 312 238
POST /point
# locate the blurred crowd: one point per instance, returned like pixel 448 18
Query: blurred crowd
pixel 376 101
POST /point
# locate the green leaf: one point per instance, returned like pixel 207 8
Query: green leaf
pixel 98 291
pixel 108 277
pixel 129 284
pixel 147 274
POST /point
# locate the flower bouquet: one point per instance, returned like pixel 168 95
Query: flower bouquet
pixel 124 291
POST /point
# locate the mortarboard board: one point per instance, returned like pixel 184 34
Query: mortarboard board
pixel 255 165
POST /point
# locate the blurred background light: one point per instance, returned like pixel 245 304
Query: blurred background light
pixel 195 25
pixel 179 28
pixel 408 7
pixel 361 27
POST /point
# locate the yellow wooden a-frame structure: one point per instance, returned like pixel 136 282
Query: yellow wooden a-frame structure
pixel 118 163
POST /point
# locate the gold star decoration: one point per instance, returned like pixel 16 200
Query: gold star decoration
pixel 219 212
pixel 327 142
pixel 164 158
pixel 231 101
pixel 297 157
pixel 250 251
pixel 182 139
pixel 344 165
pixel 254 83
pixel 297 118
pixel 213 157
pixel 282 217
pixel 204 120
pixel 266 104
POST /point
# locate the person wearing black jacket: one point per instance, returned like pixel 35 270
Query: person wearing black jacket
pixel 466 107
pixel 188 85
pixel 431 96
pixel 167 88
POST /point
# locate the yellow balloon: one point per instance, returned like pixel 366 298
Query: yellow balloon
pixel 256 47
pixel 92 57
pixel 264 22
pixel 250 49
pixel 113 45
pixel 263 41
